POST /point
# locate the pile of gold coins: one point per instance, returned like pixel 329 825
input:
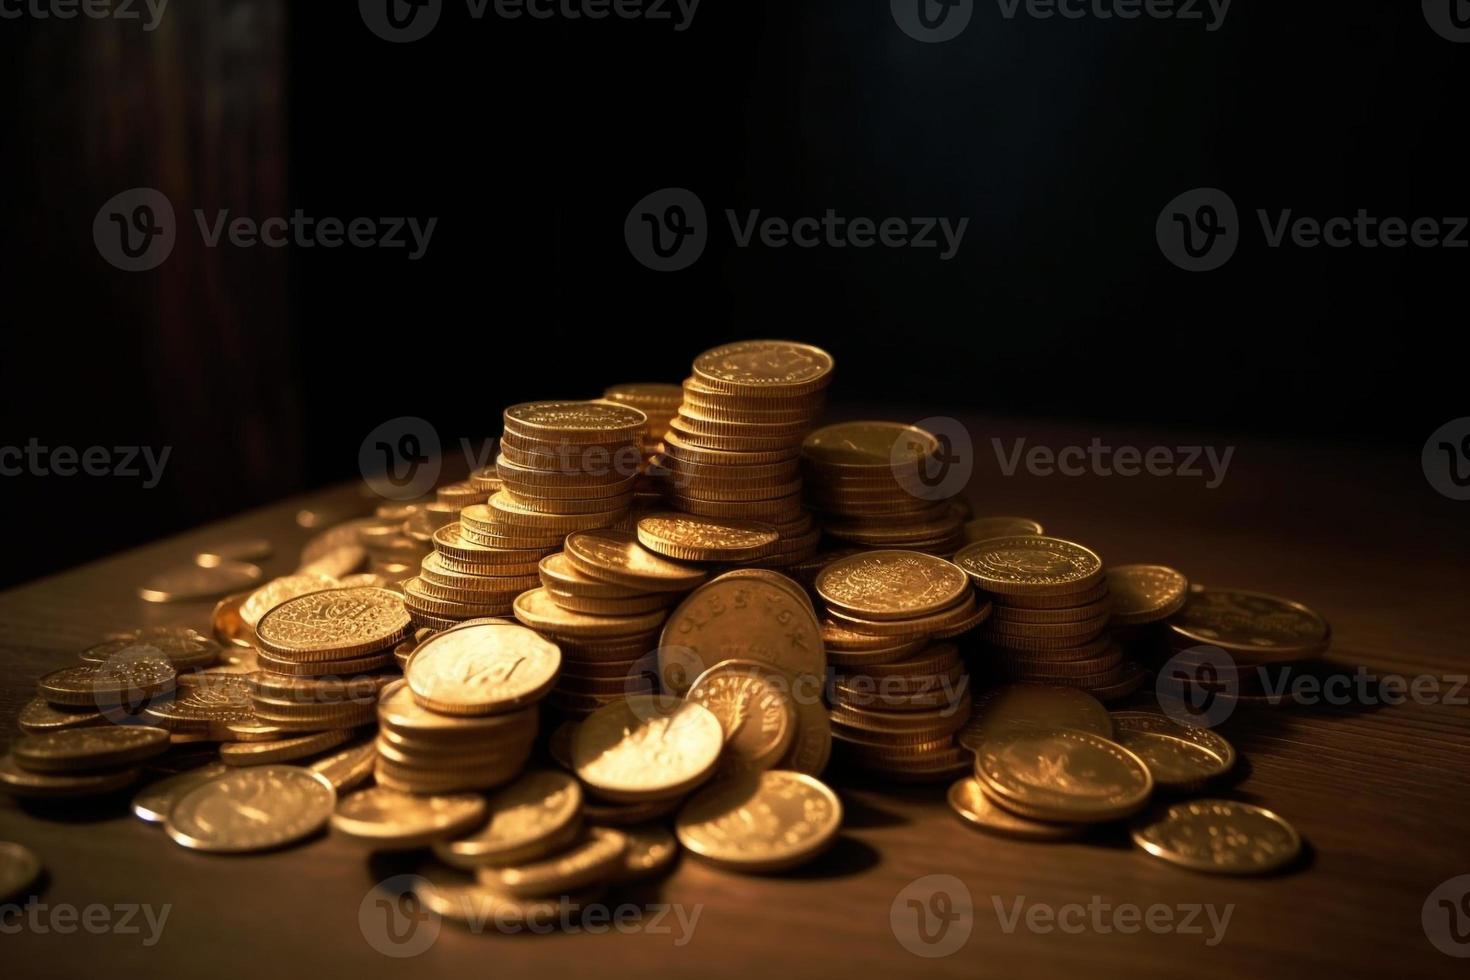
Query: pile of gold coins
pixel 733 448
pixel 658 401
pixel 868 480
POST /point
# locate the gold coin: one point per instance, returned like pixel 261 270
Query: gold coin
pixel 1034 707
pixel 281 750
pixel 1030 564
pixel 761 367
pixel 190 582
pixel 538 610
pixel 967 613
pixel 742 443
pixel 1007 613
pixel 401 821
pixel 754 706
pixel 1145 593
pixel 574 421
pixel 633 606
pixel 629 814
pixel 473 904
pixel 706 491
pixel 89 748
pixel 335 624
pixel 595 859
pixel 180 646
pixel 39 717
pixel 17 781
pixel 690 538
pixel 416 599
pixel 1174 762
pixel 124 681
pixel 651 849
pixel 1063 775
pixel 647 747
pixel 1253 627
pixel 19 870
pixel 617 557
pixel 1071 632
pixel 776 579
pixel 534 816
pixel 765 622
pixel 322 668
pixel 867 447
pixel 558 572
pixel 450 543
pixel 278 590
pixel 1220 837
pixel 252 809
pixel 348 768
pixel 153 803
pixel 398 710
pixel 685 451
pixel 985 528
pixel 761 822
pixel 228 628
pixel 971 804
pixel 645 395
pixel 482 670
pixel 890 585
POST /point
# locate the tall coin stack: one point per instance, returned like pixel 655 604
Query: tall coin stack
pixel 733 450
pixel 603 600
pixel 441 733
pixel 1052 608
pixel 874 485
pixel 897 697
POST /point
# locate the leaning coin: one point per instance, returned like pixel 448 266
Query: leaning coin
pixel 253 809
pixel 154 802
pixel 616 556
pixel 1062 775
pixel 19 869
pixel 84 749
pixel 482 669
pixel 334 624
pixel 1030 564
pixel 689 537
pixel 972 805
pixel 761 822
pixel 19 782
pixel 1253 627
pixel 1145 593
pixel 1174 762
pixel 1220 837
pixel 754 706
pixel 393 820
pixel 593 860
pixel 1153 721
pixel 647 747
pixel 350 767
pixel 538 814
pixel 281 750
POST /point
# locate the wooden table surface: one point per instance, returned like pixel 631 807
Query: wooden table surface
pixel 1379 793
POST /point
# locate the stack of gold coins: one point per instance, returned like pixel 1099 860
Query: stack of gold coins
pixel 733 449
pixel 875 485
pixel 465 715
pixel 321 658
pixel 603 600
pixel 449 499
pixel 897 699
pixel 1052 609
pixel 463 580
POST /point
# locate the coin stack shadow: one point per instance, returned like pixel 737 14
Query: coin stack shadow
pixel 871 484
pixel 424 751
pixel 733 450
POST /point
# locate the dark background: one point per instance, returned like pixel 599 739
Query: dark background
pixel 530 141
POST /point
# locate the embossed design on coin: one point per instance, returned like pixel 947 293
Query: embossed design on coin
pixel 1030 564
pixel 762 822
pixel 573 419
pixel 892 584
pixel 90 748
pixel 334 624
pixel 1148 721
pixel 693 538
pixel 1145 593
pixel 482 669
pixel 277 591
pixel 764 365
pixel 1062 775
pixel 1220 837
pixel 616 556
pixel 1253 626
pixel 647 747
pixel 123 681
pixel 754 707
pixel 252 809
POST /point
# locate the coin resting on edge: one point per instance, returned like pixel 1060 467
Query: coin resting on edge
pixel 1173 762
pixel 252 809
pixel 482 669
pixel 761 822
pixel 1220 837
pixel 1151 721
pixel 893 584
pixel 647 747
pixel 754 707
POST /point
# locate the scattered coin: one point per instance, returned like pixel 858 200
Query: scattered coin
pixel 39 717
pixel 1252 626
pixel 350 767
pixel 1174 763
pixel 689 537
pixel 1220 837
pixel 19 870
pixel 647 747
pixel 761 822
pixel 400 821
pixel 245 550
pixel 153 803
pixel 538 814
pixel 191 582
pixel 21 782
pixel 616 556
pixel 753 704
pixel 251 809
pixel 334 624
pixel 278 590
pixel 182 647
pixel 1064 775
pixel 1030 564
pixel 969 801
pixel 1145 593
pixel 594 859
pixel 83 749
pixel 125 681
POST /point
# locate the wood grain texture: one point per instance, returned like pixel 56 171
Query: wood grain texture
pixel 1378 793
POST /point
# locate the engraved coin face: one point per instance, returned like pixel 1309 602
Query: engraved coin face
pixel 122 681
pixel 765 365
pixel 739 619
pixel 569 419
pixel 971 804
pixel 180 646
pixel 1173 762
pixel 761 822
pixel 19 869
pixel 1253 626
pixel 1161 724
pixel 616 556
pixel 252 809
pixel 1063 775
pixel 647 747
pixel 1220 837
pixel 538 610
pixel 335 624
pixel 754 708
pixel 277 591
pixel 90 748
pixel 892 584
pixel 1145 593
pixel 540 806
pixel 482 669
pixel 38 716
pixel 386 816
pixel 223 701
pixel 155 801
pixel 1030 564
pixel 693 538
